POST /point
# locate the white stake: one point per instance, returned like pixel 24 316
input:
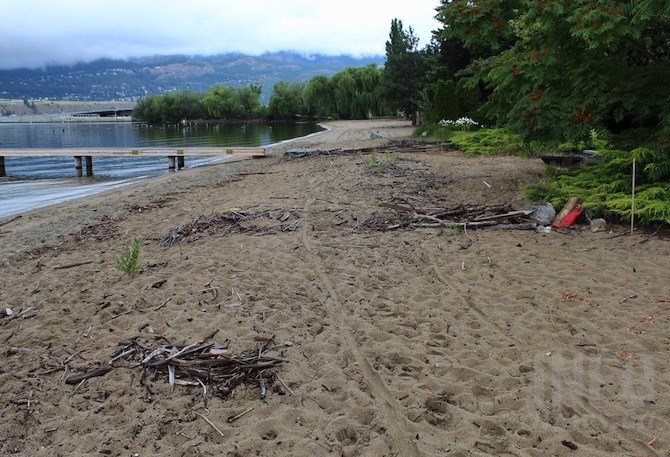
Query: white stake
pixel 632 201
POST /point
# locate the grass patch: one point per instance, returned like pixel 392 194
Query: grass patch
pixel 451 230
pixel 128 261
pixel 381 164
pixel 433 131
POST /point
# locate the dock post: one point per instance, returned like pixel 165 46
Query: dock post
pixel 89 165
pixel 77 166
pixel 180 162
pixel 2 166
pixel 171 163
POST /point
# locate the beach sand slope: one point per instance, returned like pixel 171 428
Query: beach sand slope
pixel 406 342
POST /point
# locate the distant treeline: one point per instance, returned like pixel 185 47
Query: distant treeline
pixel 353 93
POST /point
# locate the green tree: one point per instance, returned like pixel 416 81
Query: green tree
pixel 148 109
pixel 319 97
pixel 403 75
pixel 286 101
pixel 445 102
pixel 560 69
pixel 353 93
pixel 221 103
pixel 249 100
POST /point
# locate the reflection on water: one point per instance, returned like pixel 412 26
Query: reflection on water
pixel 126 134
pixel 39 181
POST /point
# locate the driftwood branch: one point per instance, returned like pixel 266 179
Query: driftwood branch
pixel 72 265
pixel 76 379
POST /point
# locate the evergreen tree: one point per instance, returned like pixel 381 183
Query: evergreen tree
pixel 404 70
pixel 445 102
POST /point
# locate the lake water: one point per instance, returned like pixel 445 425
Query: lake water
pixel 34 182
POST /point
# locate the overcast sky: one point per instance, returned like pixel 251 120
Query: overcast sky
pixel 35 33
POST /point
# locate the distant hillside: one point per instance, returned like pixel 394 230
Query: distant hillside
pixel 128 79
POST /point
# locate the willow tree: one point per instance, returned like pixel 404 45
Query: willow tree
pixel 286 101
pixel 221 103
pixel 353 93
pixel 319 97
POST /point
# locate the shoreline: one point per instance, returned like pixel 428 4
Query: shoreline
pixel 414 341
pixel 93 188
pixel 80 212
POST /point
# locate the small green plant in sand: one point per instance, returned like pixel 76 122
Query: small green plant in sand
pixel 451 230
pixel 381 163
pixel 128 262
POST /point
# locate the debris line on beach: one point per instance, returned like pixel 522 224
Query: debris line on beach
pixel 403 214
pixel 235 221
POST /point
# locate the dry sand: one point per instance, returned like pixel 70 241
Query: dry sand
pixel 410 342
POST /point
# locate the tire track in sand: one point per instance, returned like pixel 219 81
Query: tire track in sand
pixel 396 421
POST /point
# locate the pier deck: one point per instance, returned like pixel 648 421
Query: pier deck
pixel 174 155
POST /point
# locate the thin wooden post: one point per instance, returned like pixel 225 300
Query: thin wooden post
pixel 632 201
pixel 171 162
pixel 2 167
pixel 89 165
pixel 77 166
pixel 180 162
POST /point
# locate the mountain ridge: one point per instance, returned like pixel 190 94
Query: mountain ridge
pixel 129 79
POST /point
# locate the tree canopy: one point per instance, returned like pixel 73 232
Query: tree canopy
pixel 560 69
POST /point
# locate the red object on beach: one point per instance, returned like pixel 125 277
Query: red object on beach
pixel 570 219
pixel 569 214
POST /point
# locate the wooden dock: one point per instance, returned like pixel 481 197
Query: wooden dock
pixel 176 156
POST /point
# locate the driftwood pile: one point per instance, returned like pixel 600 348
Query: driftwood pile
pixel 407 215
pixel 235 221
pixel 394 145
pixel 213 367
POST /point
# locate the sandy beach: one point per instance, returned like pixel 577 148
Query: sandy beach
pixel 409 341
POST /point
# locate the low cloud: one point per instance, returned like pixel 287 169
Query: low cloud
pixel 70 31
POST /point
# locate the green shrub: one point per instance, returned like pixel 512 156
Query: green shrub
pixel 606 187
pixel 488 142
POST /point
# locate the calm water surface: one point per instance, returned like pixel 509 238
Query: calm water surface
pixel 40 181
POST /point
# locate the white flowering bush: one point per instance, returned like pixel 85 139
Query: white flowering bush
pixel 465 123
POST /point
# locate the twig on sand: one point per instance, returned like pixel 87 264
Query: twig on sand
pixel 210 423
pixel 72 265
pixel 162 304
pixel 314 375
pixel 232 419
pixel 284 384
pixel 89 374
pixel 623 300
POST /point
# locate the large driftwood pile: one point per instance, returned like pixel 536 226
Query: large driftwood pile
pixel 211 366
pixel 235 221
pixel 406 215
